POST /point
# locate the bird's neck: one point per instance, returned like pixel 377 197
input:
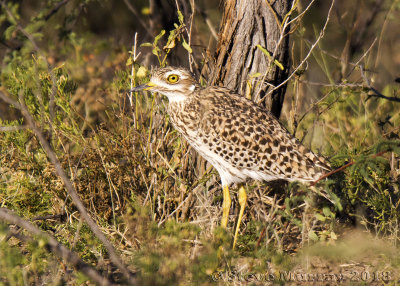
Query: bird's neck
pixel 183 97
pixel 178 103
pixel 176 97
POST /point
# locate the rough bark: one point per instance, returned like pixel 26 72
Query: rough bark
pixel 246 24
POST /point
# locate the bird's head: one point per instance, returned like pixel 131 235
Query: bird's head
pixel 175 83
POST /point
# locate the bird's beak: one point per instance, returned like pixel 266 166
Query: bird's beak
pixel 147 86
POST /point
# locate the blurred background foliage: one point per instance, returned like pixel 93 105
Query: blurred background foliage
pixel 152 197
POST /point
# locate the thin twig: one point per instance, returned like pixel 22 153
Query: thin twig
pixel 302 13
pixel 364 55
pixel 344 167
pixel 134 59
pixel 138 17
pixel 384 27
pixel 46 217
pixel 336 85
pixel 320 36
pixel 207 20
pixel 189 33
pixel 278 23
pixel 376 93
pixel 55 9
pixel 260 237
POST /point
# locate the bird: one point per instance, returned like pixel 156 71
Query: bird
pixel 241 139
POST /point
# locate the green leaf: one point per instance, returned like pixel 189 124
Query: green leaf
pixel 180 17
pixel 170 44
pixel 171 40
pixel 186 46
pixel 158 37
pixel 171 35
pixel 146 45
pixel 37 35
pixel 327 211
pixel 312 235
pixel 35 26
pixel 14 11
pixel 2 18
pixel 145 11
pixel 129 61
pixel 276 62
pixel 264 50
pixel 256 74
pixel 142 72
pixel 155 51
pixel 320 217
pixel 8 33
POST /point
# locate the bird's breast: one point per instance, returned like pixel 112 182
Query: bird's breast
pixel 185 117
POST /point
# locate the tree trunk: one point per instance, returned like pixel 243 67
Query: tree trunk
pixel 246 24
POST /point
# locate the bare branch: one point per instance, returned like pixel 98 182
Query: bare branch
pixel 55 9
pixel 54 246
pixel 72 192
pixel 8 99
pixel 376 93
pixel 46 217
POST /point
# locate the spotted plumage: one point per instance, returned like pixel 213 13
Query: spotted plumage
pixel 239 138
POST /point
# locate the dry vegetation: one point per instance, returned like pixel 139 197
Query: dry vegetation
pixel 155 200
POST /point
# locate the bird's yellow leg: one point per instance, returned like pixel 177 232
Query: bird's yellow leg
pixel 242 203
pixel 226 205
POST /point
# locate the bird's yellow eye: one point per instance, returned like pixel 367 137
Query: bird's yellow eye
pixel 173 78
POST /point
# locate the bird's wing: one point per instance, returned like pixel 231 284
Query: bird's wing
pixel 251 138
